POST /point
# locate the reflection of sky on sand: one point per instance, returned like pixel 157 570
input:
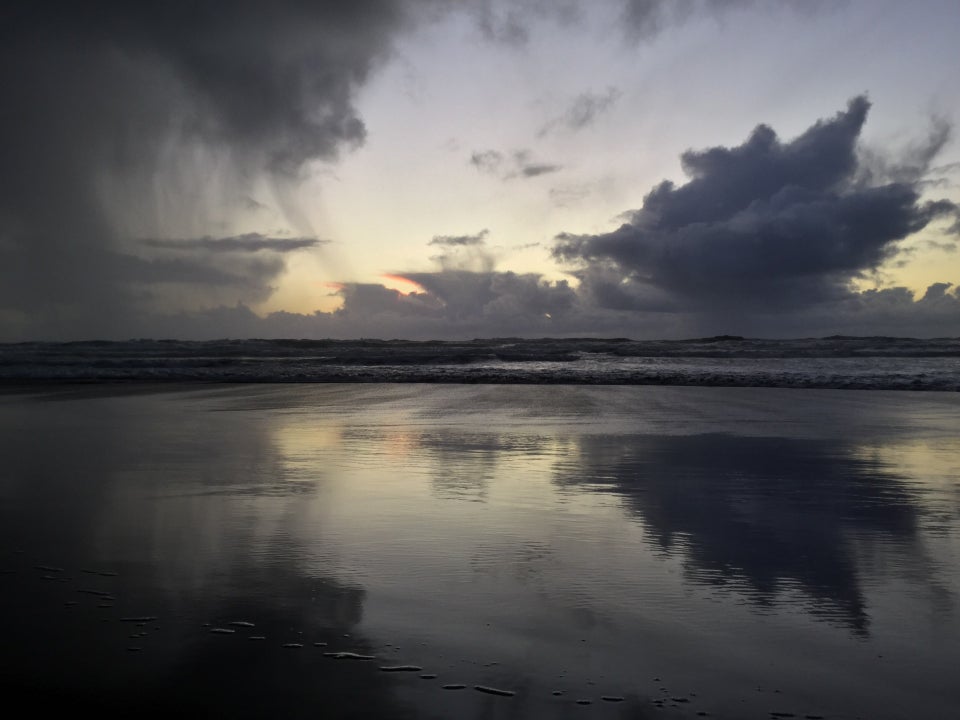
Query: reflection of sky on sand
pixel 193 513
pixel 719 540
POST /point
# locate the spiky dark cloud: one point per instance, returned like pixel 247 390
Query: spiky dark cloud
pixel 766 224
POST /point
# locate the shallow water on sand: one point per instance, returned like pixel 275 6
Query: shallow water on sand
pixel 739 553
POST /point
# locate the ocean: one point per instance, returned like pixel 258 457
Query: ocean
pixel 833 362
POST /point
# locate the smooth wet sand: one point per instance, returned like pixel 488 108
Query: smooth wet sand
pixel 366 550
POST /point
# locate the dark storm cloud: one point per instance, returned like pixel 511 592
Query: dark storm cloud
pixel 105 101
pixel 520 164
pixel 272 79
pixel 766 224
pixel 460 240
pixel 582 111
pixel 248 242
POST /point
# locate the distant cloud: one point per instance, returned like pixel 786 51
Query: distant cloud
pixel 569 195
pixel 583 111
pixel 911 164
pixel 945 169
pixel 943 246
pixel 487 161
pixel 518 165
pixel 512 22
pixel 537 169
pixel 645 19
pixel 248 242
pixel 493 300
pixel 460 240
pixel 524 166
pixel 509 22
pixel 467 253
pixel 462 304
pixel 507 26
pixel 765 225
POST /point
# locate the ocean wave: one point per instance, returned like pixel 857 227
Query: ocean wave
pixel 834 362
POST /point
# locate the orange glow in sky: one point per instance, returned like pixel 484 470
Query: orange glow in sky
pixel 402 285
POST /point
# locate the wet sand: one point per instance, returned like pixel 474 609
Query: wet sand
pixel 414 551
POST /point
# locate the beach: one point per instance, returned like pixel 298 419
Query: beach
pixel 485 551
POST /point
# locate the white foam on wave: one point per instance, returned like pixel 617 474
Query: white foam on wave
pixel 835 362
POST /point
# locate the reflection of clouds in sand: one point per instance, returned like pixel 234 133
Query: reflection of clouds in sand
pixel 205 518
pixel 463 469
pixel 460 463
pixel 463 464
pixel 210 500
pixel 767 516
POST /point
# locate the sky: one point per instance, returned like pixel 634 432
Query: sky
pixel 436 169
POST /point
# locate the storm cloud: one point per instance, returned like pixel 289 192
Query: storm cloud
pixel 765 225
pixel 122 120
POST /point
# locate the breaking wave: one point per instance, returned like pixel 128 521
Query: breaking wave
pixel 832 362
